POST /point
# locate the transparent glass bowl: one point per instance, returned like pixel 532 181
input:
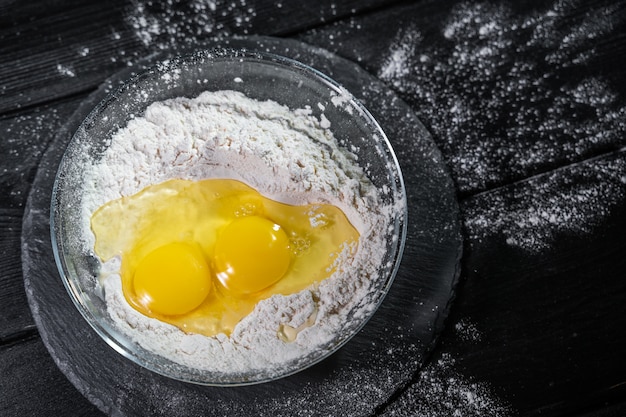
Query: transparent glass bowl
pixel 266 77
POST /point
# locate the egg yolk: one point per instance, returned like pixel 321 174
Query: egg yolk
pixel 201 254
pixel 251 254
pixel 172 279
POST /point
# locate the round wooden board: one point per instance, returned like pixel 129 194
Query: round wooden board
pixel 357 380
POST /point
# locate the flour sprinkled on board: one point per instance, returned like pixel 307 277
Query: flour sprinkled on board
pixel 170 24
pixel 535 213
pixel 468 331
pixel 26 131
pixel 492 92
pixel 66 70
pixel 442 391
pixel 494 96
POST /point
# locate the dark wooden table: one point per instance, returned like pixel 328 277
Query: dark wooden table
pixel 527 103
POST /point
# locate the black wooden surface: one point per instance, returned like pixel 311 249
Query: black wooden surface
pixel 527 102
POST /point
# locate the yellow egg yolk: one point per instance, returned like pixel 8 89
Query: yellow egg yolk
pixel 251 253
pixel 201 254
pixel 172 279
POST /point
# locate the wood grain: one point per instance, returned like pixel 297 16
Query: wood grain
pixel 26 134
pixel 32 385
pixel 51 51
pixel 555 310
pixel 15 318
pixel 518 131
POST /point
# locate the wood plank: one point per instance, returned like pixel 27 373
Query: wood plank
pixel 32 385
pixel 612 409
pixel 53 50
pixel 15 317
pixel 49 52
pixel 555 291
pixel 284 18
pixel 25 136
pixel 534 331
pixel 513 96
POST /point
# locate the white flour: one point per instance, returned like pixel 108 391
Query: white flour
pixel 488 123
pixel 486 119
pixel 441 390
pixel 286 155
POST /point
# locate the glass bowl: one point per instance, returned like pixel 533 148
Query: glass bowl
pixel 260 76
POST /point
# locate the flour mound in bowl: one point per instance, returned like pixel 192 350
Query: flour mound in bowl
pixel 287 155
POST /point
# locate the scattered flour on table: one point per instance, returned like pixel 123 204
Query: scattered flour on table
pixel 25 138
pixel 442 391
pixel 566 202
pixel 286 155
pixel 467 331
pixel 171 23
pixel 503 97
pixel 66 70
pixel 510 96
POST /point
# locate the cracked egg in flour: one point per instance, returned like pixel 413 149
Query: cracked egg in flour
pixel 228 218
pixel 201 254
